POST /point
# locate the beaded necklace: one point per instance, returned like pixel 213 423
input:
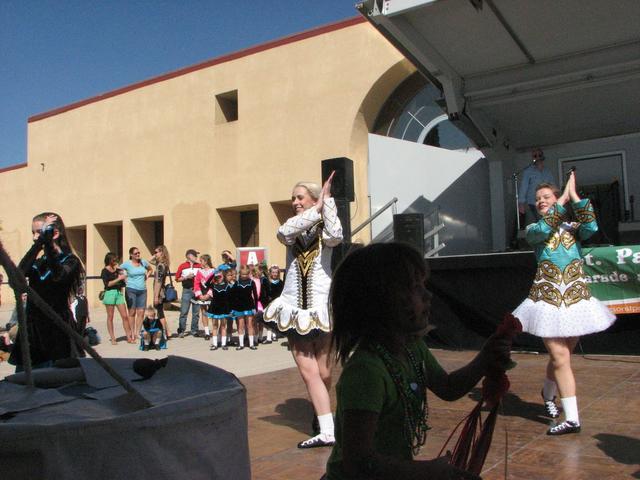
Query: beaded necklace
pixel 413 396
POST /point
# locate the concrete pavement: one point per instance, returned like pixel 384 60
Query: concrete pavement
pixel 267 358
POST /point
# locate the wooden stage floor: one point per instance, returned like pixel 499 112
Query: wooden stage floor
pixel 607 448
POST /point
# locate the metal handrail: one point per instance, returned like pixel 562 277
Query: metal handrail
pixel 390 203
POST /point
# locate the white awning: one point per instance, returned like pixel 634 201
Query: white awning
pixel 524 72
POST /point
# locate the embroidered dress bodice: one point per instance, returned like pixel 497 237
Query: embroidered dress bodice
pixel 310 238
pixel 560 303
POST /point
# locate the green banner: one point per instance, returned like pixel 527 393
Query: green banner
pixel 613 275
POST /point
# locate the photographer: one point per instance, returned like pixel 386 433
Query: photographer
pixel 55 274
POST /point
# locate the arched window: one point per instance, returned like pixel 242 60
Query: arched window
pixel 413 112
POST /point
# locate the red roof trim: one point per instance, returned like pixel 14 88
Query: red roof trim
pixel 13 167
pixel 209 63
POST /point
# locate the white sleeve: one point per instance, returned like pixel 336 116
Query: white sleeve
pixel 332 230
pixel 293 227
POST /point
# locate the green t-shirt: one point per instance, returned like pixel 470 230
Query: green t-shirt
pixel 365 384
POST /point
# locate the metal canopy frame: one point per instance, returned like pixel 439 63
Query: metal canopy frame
pixel 523 73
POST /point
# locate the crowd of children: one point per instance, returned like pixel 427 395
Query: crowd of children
pixel 225 295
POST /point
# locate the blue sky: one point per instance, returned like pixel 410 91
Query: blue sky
pixel 56 52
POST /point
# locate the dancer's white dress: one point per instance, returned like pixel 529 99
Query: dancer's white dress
pixel 560 304
pixel 303 306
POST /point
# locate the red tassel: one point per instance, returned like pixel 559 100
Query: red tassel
pixel 474 442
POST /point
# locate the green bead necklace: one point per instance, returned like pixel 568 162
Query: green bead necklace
pixel 413 396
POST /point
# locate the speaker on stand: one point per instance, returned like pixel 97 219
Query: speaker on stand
pixel 343 193
pixel 409 228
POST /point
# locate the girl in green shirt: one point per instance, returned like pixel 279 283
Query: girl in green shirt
pixel 380 307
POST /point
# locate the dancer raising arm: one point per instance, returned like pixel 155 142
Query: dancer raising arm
pixel 560 307
pixel 301 312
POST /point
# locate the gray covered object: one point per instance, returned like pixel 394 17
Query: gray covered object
pixel 196 428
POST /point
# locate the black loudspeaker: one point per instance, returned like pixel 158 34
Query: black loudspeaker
pixel 342 185
pixel 409 228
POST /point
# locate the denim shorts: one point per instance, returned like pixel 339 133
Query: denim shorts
pixel 136 298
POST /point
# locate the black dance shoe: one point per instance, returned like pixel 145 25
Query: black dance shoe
pixel 564 428
pixel 319 440
pixel 550 407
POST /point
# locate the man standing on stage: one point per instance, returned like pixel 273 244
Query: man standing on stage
pixel 532 176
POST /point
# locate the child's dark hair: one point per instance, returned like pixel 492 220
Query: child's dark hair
pixel 369 297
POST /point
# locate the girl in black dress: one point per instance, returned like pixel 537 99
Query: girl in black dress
pixel 244 296
pixel 272 286
pixel 219 310
pixel 55 274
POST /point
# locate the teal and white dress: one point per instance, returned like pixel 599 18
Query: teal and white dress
pixel 310 237
pixel 560 303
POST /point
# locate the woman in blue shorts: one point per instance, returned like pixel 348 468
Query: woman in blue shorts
pixel 138 270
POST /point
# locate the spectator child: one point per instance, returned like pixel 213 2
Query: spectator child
pixel 243 306
pixel 152 333
pixel 256 276
pixel 219 309
pixel 380 306
pixel 203 297
pixel 271 289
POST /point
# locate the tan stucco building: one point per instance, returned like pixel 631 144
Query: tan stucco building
pixel 204 157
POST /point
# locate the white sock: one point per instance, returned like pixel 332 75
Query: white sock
pixel 223 340
pixel 269 334
pixel 326 424
pixel 251 340
pixel 214 340
pixel 570 407
pixel 241 340
pixel 206 331
pixel 549 389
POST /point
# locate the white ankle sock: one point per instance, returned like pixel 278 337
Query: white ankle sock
pixel 241 340
pixel 206 331
pixel 251 340
pixel 326 424
pixel 549 389
pixel 214 340
pixel 570 407
pixel 223 340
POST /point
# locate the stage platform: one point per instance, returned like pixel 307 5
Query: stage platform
pixel 473 292
pixel 607 448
